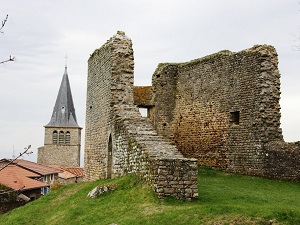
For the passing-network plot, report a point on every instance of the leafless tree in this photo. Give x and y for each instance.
(11, 58)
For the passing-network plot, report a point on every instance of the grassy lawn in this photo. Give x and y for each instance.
(223, 199)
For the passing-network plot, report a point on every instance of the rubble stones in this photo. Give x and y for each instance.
(100, 190)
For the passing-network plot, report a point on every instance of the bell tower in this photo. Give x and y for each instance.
(62, 134)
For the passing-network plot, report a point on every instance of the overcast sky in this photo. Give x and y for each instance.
(39, 33)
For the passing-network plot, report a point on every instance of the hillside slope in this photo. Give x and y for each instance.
(223, 199)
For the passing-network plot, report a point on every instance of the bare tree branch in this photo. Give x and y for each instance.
(25, 152)
(1, 27)
(10, 59)
(3, 23)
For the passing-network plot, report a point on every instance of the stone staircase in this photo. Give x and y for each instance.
(144, 133)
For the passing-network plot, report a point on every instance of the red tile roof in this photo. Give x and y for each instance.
(75, 170)
(66, 175)
(35, 167)
(17, 178)
(69, 172)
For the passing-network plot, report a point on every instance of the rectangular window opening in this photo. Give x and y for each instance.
(143, 111)
(234, 117)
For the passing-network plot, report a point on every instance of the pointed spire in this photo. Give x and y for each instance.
(64, 111)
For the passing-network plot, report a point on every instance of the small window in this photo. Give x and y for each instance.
(68, 137)
(45, 190)
(51, 177)
(234, 117)
(54, 137)
(45, 178)
(61, 137)
(143, 112)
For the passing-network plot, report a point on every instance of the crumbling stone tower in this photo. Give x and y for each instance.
(118, 140)
(62, 134)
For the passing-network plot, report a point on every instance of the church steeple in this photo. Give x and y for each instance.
(64, 111)
(62, 134)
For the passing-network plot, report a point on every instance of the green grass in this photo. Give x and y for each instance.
(223, 199)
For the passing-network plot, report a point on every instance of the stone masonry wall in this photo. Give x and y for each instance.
(61, 154)
(282, 160)
(118, 139)
(139, 150)
(143, 96)
(98, 105)
(221, 109)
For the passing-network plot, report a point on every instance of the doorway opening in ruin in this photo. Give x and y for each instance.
(109, 158)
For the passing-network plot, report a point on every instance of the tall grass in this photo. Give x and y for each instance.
(223, 199)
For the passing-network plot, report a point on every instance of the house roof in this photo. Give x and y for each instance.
(64, 111)
(17, 178)
(75, 170)
(35, 167)
(66, 175)
(69, 172)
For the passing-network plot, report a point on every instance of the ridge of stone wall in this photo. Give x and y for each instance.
(118, 139)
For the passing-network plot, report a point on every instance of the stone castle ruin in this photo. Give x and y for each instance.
(221, 110)
(224, 110)
(118, 139)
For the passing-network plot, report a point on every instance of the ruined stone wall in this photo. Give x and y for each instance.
(65, 154)
(139, 150)
(130, 156)
(118, 139)
(282, 160)
(176, 177)
(98, 105)
(143, 96)
(221, 109)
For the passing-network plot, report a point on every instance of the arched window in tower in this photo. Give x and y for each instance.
(68, 137)
(54, 137)
(61, 137)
